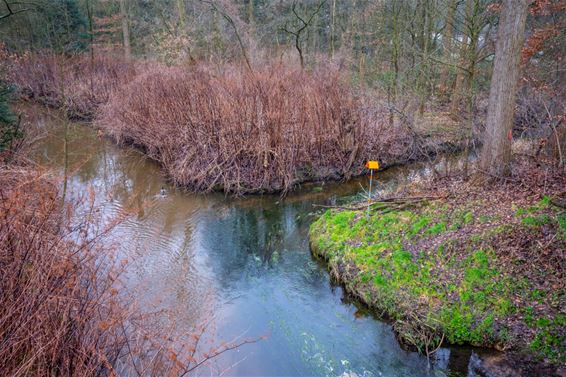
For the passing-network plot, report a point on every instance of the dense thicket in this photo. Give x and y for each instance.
(59, 313)
(244, 132)
(76, 84)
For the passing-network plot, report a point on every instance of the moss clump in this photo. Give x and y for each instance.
(437, 268)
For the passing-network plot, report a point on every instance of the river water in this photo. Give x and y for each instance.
(245, 262)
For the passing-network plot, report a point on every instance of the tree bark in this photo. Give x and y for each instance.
(332, 28)
(181, 14)
(447, 45)
(251, 16)
(125, 29)
(496, 153)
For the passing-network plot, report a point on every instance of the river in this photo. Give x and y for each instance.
(245, 261)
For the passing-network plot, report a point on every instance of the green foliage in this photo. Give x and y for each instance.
(562, 220)
(536, 221)
(419, 225)
(436, 229)
(520, 211)
(549, 337)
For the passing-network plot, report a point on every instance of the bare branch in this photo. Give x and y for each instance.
(12, 12)
(227, 17)
(297, 33)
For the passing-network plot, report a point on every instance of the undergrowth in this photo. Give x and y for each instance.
(450, 269)
(241, 132)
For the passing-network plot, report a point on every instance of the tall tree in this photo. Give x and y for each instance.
(125, 29)
(447, 44)
(496, 153)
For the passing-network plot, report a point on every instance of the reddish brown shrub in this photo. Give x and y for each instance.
(76, 84)
(63, 311)
(54, 299)
(242, 133)
(222, 129)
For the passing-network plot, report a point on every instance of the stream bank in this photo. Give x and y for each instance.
(480, 266)
(243, 261)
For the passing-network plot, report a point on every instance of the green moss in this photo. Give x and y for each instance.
(562, 220)
(419, 225)
(483, 333)
(436, 228)
(549, 338)
(458, 292)
(536, 221)
(503, 306)
(542, 204)
(468, 217)
(520, 212)
(457, 322)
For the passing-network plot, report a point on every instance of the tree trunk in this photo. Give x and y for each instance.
(425, 72)
(496, 153)
(251, 16)
(314, 45)
(332, 28)
(125, 30)
(447, 45)
(459, 85)
(395, 88)
(181, 14)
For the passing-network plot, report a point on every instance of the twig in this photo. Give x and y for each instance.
(387, 203)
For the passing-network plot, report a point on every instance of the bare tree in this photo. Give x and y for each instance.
(302, 27)
(12, 12)
(496, 153)
(230, 20)
(447, 37)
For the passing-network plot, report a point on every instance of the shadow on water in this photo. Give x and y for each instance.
(247, 258)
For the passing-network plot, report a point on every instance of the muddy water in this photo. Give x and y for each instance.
(244, 261)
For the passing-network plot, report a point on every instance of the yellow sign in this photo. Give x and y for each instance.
(372, 165)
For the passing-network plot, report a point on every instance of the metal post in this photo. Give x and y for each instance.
(369, 194)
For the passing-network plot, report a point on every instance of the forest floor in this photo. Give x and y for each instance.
(475, 263)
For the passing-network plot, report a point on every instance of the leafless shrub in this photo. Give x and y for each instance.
(540, 118)
(77, 84)
(225, 128)
(62, 306)
(243, 132)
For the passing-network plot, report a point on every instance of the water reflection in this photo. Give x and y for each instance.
(248, 259)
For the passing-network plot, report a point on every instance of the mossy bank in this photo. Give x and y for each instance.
(477, 268)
